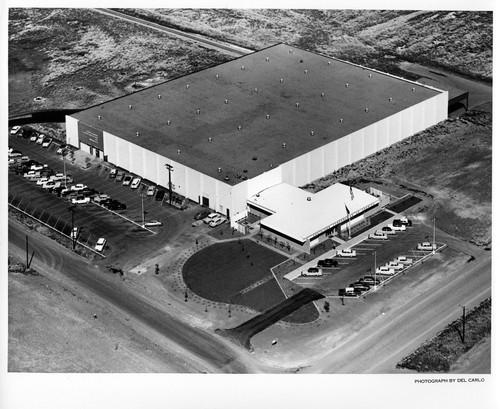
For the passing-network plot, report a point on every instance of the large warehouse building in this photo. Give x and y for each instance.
(279, 115)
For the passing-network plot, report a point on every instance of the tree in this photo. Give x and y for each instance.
(327, 306)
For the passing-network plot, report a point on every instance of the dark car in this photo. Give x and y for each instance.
(369, 280)
(119, 176)
(360, 285)
(116, 205)
(87, 192)
(160, 194)
(328, 263)
(202, 214)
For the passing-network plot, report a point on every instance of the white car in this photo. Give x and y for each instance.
(51, 184)
(126, 180)
(100, 198)
(378, 235)
(61, 149)
(78, 186)
(80, 200)
(135, 183)
(151, 191)
(426, 246)
(398, 227)
(33, 138)
(57, 176)
(217, 221)
(403, 260)
(42, 181)
(46, 143)
(37, 167)
(153, 223)
(74, 233)
(312, 272)
(210, 217)
(40, 139)
(385, 270)
(346, 253)
(100, 244)
(396, 266)
(14, 130)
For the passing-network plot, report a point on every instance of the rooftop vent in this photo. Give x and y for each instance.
(254, 158)
(297, 104)
(347, 85)
(312, 133)
(242, 67)
(159, 96)
(245, 170)
(226, 101)
(219, 170)
(413, 89)
(290, 51)
(178, 151)
(329, 63)
(210, 139)
(268, 116)
(130, 107)
(137, 134)
(305, 71)
(281, 80)
(239, 127)
(226, 178)
(270, 165)
(308, 198)
(267, 58)
(369, 75)
(390, 99)
(322, 95)
(99, 117)
(216, 76)
(168, 122)
(283, 145)
(341, 121)
(256, 90)
(187, 86)
(366, 109)
(198, 111)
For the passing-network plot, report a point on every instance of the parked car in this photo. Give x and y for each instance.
(33, 137)
(135, 183)
(58, 176)
(210, 217)
(51, 184)
(38, 166)
(41, 181)
(403, 260)
(127, 180)
(151, 190)
(388, 230)
(160, 194)
(119, 176)
(100, 198)
(346, 253)
(100, 244)
(405, 221)
(385, 270)
(15, 130)
(312, 272)
(395, 265)
(397, 226)
(217, 221)
(426, 246)
(153, 223)
(46, 143)
(202, 214)
(116, 205)
(62, 149)
(359, 285)
(40, 139)
(80, 200)
(378, 235)
(112, 173)
(75, 232)
(78, 186)
(369, 280)
(328, 263)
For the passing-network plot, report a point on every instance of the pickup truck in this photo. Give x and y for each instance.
(403, 260)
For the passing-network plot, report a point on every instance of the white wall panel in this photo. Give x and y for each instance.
(316, 168)
(71, 131)
(344, 151)
(357, 145)
(109, 141)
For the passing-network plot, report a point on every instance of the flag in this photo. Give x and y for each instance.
(352, 193)
(346, 209)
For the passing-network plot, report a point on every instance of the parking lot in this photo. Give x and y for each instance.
(370, 253)
(94, 220)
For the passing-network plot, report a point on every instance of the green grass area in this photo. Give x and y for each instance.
(439, 353)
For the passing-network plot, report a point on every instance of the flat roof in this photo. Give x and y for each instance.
(301, 218)
(200, 114)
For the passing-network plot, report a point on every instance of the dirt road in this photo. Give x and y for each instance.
(199, 349)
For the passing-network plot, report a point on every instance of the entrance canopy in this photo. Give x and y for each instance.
(303, 215)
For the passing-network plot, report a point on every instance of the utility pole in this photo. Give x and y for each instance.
(375, 271)
(27, 261)
(170, 168)
(434, 238)
(64, 167)
(463, 324)
(142, 211)
(73, 235)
